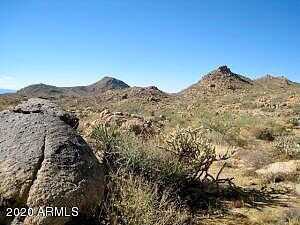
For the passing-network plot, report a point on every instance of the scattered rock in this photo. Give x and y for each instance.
(153, 99)
(151, 93)
(137, 124)
(104, 113)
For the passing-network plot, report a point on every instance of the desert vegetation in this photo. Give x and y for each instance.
(223, 151)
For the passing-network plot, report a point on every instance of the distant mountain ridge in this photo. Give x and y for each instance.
(217, 81)
(106, 83)
(222, 80)
(5, 91)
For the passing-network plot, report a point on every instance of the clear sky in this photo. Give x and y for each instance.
(167, 43)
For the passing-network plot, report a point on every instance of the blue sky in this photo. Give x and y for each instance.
(165, 43)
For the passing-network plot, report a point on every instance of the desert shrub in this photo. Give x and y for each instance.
(296, 109)
(148, 185)
(138, 182)
(120, 150)
(290, 217)
(248, 104)
(196, 153)
(267, 130)
(223, 128)
(265, 134)
(268, 109)
(108, 138)
(130, 153)
(277, 129)
(139, 202)
(288, 145)
(294, 121)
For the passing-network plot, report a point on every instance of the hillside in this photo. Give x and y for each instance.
(219, 80)
(44, 90)
(225, 79)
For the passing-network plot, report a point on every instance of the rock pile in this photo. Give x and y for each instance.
(136, 124)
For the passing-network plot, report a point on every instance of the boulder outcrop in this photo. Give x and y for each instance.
(45, 163)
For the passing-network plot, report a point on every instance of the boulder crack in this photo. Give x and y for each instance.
(26, 111)
(37, 167)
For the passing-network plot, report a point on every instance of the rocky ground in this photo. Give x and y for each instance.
(257, 121)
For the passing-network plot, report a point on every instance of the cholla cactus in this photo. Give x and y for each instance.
(195, 151)
(189, 144)
(287, 145)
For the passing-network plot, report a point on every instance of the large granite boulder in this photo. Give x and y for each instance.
(45, 163)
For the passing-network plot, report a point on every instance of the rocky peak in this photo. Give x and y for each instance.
(224, 78)
(269, 76)
(108, 79)
(224, 69)
(109, 83)
(153, 88)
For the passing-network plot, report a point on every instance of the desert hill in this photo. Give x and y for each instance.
(44, 90)
(270, 80)
(106, 83)
(217, 81)
(41, 90)
(224, 78)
